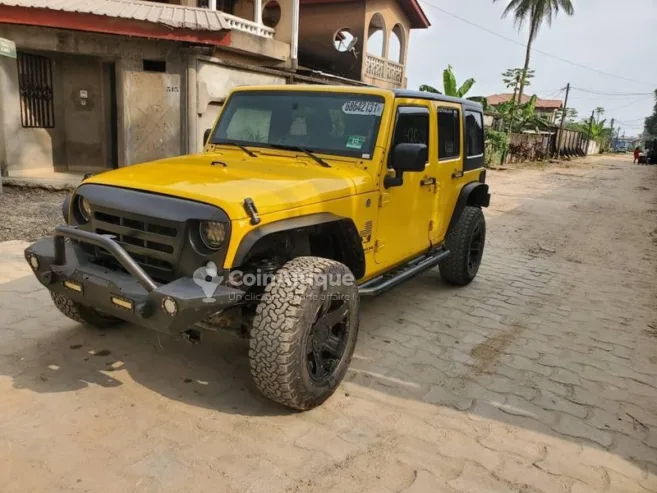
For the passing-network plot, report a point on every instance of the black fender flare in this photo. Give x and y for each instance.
(66, 205)
(474, 193)
(350, 233)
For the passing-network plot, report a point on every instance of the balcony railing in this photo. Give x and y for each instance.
(384, 69)
(247, 26)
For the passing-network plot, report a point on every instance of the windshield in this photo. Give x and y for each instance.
(329, 123)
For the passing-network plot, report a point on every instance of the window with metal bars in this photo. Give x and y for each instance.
(36, 91)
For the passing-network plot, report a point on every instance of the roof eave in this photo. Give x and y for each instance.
(108, 25)
(418, 18)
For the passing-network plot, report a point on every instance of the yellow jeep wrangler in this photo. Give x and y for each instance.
(305, 199)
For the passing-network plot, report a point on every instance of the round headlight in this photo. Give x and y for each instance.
(213, 234)
(85, 208)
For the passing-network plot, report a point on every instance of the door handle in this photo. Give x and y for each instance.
(457, 174)
(428, 182)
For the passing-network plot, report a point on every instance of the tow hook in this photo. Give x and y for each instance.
(193, 336)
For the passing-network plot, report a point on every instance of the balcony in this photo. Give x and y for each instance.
(383, 69)
(239, 24)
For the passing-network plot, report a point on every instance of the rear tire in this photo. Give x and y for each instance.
(84, 314)
(465, 242)
(304, 333)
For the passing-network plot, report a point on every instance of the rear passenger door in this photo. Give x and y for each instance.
(450, 165)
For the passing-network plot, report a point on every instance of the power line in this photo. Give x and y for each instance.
(556, 93)
(634, 120)
(623, 94)
(604, 98)
(642, 98)
(489, 31)
(630, 124)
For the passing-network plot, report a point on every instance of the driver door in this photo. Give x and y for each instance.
(406, 210)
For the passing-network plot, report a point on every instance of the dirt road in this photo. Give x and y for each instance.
(541, 376)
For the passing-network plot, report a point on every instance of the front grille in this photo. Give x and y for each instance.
(151, 243)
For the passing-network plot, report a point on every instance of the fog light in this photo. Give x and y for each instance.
(34, 262)
(122, 302)
(170, 306)
(73, 286)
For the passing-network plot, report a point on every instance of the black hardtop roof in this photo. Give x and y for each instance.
(409, 93)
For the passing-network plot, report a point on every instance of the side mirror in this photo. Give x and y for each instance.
(406, 158)
(409, 157)
(206, 135)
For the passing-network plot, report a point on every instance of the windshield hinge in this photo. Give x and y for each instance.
(252, 211)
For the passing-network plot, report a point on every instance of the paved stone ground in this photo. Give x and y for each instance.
(541, 376)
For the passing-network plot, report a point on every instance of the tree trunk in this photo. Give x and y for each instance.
(532, 33)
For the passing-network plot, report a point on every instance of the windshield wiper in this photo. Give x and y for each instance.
(224, 143)
(308, 152)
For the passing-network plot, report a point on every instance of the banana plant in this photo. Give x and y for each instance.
(450, 86)
(519, 117)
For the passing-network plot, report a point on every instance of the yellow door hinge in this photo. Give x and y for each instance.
(378, 246)
(384, 198)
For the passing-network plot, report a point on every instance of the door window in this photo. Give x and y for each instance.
(449, 133)
(411, 127)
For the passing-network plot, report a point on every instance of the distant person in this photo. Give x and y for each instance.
(637, 152)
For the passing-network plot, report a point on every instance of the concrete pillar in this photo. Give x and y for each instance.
(6, 65)
(257, 12)
(294, 42)
(191, 105)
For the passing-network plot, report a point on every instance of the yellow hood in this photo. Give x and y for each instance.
(274, 183)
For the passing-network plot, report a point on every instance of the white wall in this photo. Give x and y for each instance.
(214, 82)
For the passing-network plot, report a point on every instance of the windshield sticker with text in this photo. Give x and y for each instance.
(362, 108)
(355, 142)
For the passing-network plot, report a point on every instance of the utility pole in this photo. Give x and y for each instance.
(611, 134)
(564, 113)
(588, 137)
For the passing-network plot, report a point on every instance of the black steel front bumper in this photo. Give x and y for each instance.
(131, 296)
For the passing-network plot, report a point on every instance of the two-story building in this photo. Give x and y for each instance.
(104, 83)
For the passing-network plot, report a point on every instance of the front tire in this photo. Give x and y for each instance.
(465, 242)
(304, 332)
(84, 314)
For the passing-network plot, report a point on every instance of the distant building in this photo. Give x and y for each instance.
(548, 108)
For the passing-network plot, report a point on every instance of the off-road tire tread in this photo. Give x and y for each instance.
(277, 333)
(82, 314)
(454, 269)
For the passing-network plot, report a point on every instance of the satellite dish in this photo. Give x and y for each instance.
(343, 40)
(352, 44)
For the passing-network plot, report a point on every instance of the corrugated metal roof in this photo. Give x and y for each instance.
(496, 99)
(175, 16)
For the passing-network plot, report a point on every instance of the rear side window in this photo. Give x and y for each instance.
(474, 134)
(449, 133)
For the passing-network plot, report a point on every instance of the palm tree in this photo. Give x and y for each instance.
(534, 12)
(599, 111)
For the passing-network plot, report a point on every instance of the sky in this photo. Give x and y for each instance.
(619, 38)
